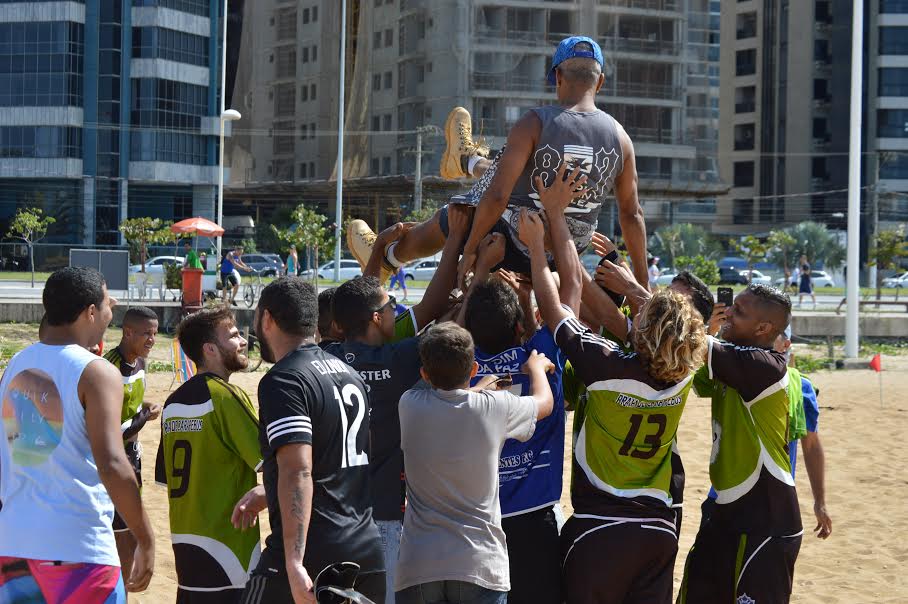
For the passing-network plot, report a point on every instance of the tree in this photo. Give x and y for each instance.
(689, 240)
(753, 251)
(308, 232)
(819, 245)
(890, 247)
(142, 231)
(782, 251)
(30, 225)
(429, 207)
(704, 268)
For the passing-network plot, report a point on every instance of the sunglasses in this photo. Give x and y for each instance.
(392, 302)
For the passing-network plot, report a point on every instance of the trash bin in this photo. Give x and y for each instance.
(192, 286)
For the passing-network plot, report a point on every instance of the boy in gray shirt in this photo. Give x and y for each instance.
(453, 548)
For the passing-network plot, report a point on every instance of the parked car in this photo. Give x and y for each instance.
(155, 266)
(423, 270)
(898, 280)
(269, 265)
(666, 278)
(349, 268)
(819, 278)
(756, 277)
(730, 276)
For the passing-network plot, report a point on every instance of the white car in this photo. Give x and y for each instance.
(155, 266)
(423, 270)
(819, 278)
(756, 277)
(348, 269)
(898, 280)
(666, 278)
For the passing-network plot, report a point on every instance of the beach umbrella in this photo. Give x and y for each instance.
(198, 226)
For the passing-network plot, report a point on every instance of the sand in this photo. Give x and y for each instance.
(865, 445)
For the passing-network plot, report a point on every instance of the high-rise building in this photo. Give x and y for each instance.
(409, 62)
(109, 110)
(785, 113)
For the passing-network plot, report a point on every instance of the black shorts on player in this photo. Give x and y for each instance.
(603, 558)
(224, 596)
(726, 567)
(134, 455)
(534, 557)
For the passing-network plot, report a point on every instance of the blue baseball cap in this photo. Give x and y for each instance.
(566, 50)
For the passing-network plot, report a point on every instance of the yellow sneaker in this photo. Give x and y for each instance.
(360, 241)
(459, 144)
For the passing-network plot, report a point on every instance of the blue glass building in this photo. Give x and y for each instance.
(108, 110)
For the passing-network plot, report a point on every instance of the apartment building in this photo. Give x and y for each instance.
(109, 110)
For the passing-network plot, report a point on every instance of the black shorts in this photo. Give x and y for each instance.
(225, 596)
(134, 455)
(514, 259)
(533, 557)
(617, 560)
(269, 586)
(229, 279)
(726, 567)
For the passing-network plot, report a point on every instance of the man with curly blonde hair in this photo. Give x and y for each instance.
(623, 432)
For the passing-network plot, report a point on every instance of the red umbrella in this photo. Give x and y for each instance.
(198, 226)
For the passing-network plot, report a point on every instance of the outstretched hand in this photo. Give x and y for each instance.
(602, 245)
(531, 229)
(491, 251)
(614, 277)
(538, 361)
(392, 234)
(559, 195)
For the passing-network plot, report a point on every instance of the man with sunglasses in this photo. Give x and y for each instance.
(384, 349)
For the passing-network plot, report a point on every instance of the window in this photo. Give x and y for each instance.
(376, 40)
(820, 128)
(892, 123)
(167, 116)
(196, 7)
(41, 64)
(314, 14)
(312, 130)
(305, 54)
(312, 95)
(303, 170)
(820, 89)
(386, 165)
(40, 142)
(284, 99)
(304, 132)
(305, 16)
(304, 93)
(376, 123)
(389, 37)
(745, 99)
(821, 11)
(821, 50)
(744, 173)
(896, 167)
(286, 24)
(894, 40)
(169, 44)
(314, 54)
(893, 81)
(420, 74)
(746, 62)
(286, 62)
(388, 80)
(375, 167)
(743, 211)
(387, 121)
(744, 137)
(746, 25)
(376, 82)
(818, 168)
(283, 138)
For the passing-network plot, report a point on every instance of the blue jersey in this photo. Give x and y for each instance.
(529, 474)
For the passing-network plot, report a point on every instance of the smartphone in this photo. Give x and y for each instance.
(618, 299)
(725, 296)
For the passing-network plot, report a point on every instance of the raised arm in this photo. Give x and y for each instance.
(532, 234)
(489, 254)
(521, 142)
(536, 367)
(294, 493)
(435, 301)
(630, 214)
(101, 393)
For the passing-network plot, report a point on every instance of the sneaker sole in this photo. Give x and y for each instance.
(352, 248)
(450, 161)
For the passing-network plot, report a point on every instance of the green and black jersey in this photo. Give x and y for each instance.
(749, 464)
(132, 419)
(623, 429)
(208, 459)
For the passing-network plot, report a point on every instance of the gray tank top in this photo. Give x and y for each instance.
(589, 140)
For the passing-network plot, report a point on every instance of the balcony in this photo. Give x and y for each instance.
(518, 37)
(821, 144)
(663, 5)
(641, 46)
(822, 68)
(745, 107)
(509, 82)
(646, 91)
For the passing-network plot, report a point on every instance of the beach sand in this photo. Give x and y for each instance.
(865, 444)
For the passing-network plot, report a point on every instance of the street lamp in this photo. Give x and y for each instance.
(231, 115)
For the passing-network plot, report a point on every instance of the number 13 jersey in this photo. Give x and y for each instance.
(311, 397)
(623, 432)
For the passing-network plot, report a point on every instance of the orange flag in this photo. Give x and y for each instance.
(876, 363)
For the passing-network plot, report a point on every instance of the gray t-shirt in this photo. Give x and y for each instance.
(451, 441)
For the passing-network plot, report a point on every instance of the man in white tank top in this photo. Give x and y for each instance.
(62, 462)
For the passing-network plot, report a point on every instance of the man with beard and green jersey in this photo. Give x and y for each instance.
(208, 459)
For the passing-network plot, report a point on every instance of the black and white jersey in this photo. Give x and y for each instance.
(311, 397)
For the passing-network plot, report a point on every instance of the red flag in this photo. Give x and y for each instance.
(876, 363)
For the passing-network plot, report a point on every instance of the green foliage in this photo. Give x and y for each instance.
(309, 231)
(782, 250)
(690, 240)
(30, 225)
(141, 231)
(890, 247)
(807, 364)
(752, 249)
(249, 245)
(429, 207)
(819, 245)
(173, 276)
(699, 265)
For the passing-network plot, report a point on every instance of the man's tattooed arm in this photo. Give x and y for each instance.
(294, 491)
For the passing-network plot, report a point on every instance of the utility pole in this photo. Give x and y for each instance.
(417, 180)
(852, 293)
(338, 204)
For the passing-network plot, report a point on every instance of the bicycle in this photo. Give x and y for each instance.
(252, 288)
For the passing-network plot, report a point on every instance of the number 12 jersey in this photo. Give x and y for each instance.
(311, 397)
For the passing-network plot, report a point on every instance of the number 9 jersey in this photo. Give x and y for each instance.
(623, 432)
